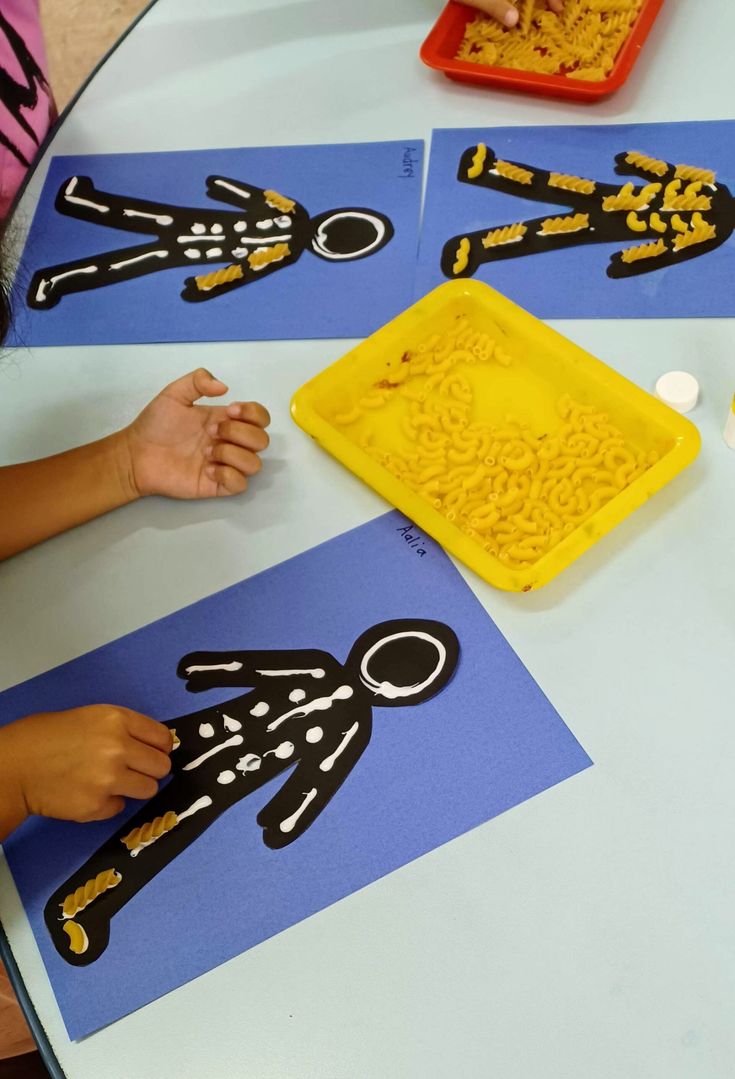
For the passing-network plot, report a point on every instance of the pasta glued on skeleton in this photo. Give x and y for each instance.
(581, 42)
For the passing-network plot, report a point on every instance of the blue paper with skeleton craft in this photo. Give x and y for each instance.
(352, 709)
(604, 221)
(221, 245)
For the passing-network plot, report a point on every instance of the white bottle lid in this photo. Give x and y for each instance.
(679, 390)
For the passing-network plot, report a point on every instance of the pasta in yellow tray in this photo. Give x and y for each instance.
(581, 42)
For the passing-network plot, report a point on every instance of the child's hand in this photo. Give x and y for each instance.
(80, 765)
(184, 450)
(506, 12)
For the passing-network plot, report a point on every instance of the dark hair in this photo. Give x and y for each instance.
(5, 312)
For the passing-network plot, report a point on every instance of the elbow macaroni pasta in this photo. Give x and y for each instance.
(582, 42)
(514, 491)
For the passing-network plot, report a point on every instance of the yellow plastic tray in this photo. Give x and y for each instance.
(546, 366)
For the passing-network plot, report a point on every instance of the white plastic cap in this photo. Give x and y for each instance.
(679, 390)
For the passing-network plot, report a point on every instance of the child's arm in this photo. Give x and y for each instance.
(175, 447)
(79, 765)
(507, 12)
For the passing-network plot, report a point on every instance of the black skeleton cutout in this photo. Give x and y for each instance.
(266, 233)
(306, 711)
(679, 212)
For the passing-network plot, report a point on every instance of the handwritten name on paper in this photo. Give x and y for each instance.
(410, 161)
(414, 540)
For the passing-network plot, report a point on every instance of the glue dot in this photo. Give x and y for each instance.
(679, 390)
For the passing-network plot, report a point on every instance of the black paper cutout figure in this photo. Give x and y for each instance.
(306, 709)
(659, 219)
(267, 233)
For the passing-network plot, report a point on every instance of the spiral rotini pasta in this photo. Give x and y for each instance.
(647, 164)
(513, 172)
(515, 492)
(258, 259)
(627, 199)
(206, 282)
(552, 226)
(689, 172)
(89, 891)
(644, 251)
(507, 235)
(146, 834)
(478, 162)
(463, 256)
(582, 42)
(572, 183)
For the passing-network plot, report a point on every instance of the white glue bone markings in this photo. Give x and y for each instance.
(282, 752)
(320, 704)
(231, 725)
(236, 740)
(233, 187)
(71, 197)
(387, 689)
(44, 284)
(233, 666)
(297, 695)
(314, 734)
(226, 777)
(319, 243)
(316, 672)
(206, 730)
(160, 219)
(289, 823)
(326, 764)
(186, 239)
(260, 709)
(139, 258)
(251, 762)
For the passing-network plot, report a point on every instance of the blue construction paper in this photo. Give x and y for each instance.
(490, 740)
(312, 298)
(573, 283)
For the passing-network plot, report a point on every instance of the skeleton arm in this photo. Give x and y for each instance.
(207, 670)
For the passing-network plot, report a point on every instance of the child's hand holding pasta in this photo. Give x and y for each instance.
(505, 11)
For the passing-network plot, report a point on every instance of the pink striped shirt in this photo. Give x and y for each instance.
(26, 105)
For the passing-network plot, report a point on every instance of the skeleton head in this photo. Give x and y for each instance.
(348, 234)
(404, 661)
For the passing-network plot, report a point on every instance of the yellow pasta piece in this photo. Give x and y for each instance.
(700, 234)
(517, 173)
(656, 223)
(344, 419)
(146, 834)
(507, 235)
(279, 202)
(634, 223)
(644, 251)
(627, 199)
(206, 282)
(679, 224)
(647, 164)
(462, 257)
(89, 891)
(478, 162)
(552, 226)
(572, 183)
(78, 939)
(175, 740)
(689, 172)
(525, 15)
(259, 259)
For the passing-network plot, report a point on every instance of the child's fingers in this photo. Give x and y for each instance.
(250, 411)
(556, 5)
(199, 383)
(110, 807)
(501, 10)
(229, 481)
(241, 434)
(149, 731)
(135, 785)
(245, 461)
(148, 761)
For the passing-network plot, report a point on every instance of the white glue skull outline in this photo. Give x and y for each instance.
(306, 712)
(268, 232)
(679, 212)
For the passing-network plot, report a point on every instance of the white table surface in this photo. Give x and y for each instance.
(586, 934)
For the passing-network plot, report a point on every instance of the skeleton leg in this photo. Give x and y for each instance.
(464, 254)
(79, 198)
(49, 285)
(480, 167)
(314, 783)
(657, 255)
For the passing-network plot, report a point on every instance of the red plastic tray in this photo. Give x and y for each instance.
(440, 48)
